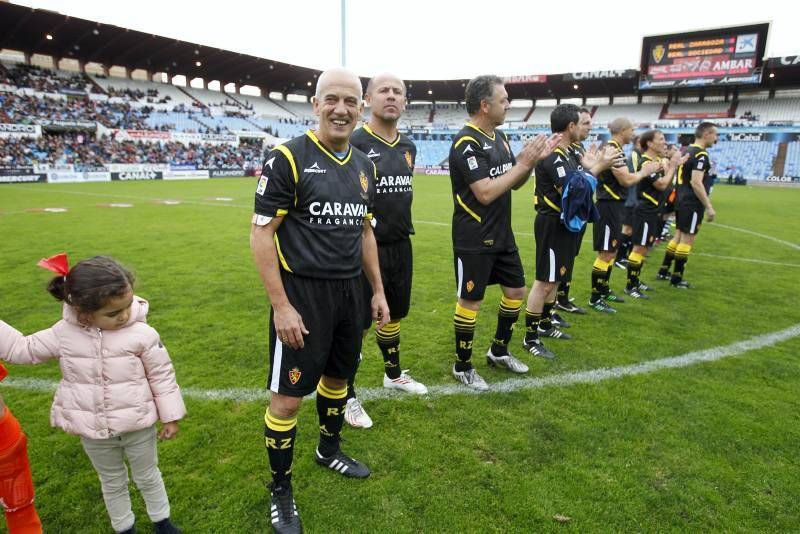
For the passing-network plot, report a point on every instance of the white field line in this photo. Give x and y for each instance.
(795, 246)
(747, 260)
(591, 376)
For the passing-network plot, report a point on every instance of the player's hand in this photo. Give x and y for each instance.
(650, 167)
(550, 144)
(168, 430)
(380, 311)
(529, 155)
(590, 157)
(678, 159)
(710, 214)
(289, 326)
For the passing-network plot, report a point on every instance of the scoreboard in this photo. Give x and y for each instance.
(726, 56)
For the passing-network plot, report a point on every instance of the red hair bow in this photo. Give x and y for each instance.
(58, 264)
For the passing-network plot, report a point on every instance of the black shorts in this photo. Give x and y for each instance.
(668, 200)
(688, 218)
(627, 215)
(331, 311)
(397, 266)
(476, 271)
(647, 226)
(555, 249)
(608, 230)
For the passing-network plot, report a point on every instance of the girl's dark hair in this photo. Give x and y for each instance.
(91, 282)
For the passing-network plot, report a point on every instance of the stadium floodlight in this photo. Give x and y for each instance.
(430, 91)
(48, 37)
(575, 86)
(198, 63)
(771, 74)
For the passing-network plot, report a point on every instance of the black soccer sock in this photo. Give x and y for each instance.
(562, 295)
(464, 322)
(681, 257)
(624, 247)
(279, 434)
(669, 255)
(635, 261)
(598, 275)
(330, 410)
(351, 382)
(388, 339)
(532, 321)
(507, 317)
(607, 278)
(547, 315)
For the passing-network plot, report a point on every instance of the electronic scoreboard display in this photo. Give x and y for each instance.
(726, 56)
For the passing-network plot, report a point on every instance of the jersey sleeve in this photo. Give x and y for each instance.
(471, 160)
(700, 162)
(556, 169)
(277, 186)
(371, 191)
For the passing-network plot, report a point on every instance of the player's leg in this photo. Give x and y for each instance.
(472, 276)
(689, 223)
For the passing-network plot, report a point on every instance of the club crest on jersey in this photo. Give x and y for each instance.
(470, 286)
(563, 270)
(364, 182)
(658, 53)
(294, 375)
(409, 160)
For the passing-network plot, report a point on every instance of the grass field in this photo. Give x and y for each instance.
(709, 447)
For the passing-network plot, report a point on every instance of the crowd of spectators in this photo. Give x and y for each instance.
(46, 80)
(84, 149)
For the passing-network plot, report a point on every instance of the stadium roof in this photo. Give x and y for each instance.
(26, 29)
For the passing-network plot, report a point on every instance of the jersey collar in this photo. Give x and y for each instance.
(481, 131)
(381, 139)
(313, 137)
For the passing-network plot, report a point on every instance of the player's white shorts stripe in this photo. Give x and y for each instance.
(644, 234)
(275, 379)
(460, 277)
(606, 237)
(552, 276)
(693, 227)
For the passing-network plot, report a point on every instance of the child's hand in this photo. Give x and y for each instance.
(168, 430)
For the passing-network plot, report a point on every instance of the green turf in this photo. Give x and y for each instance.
(711, 447)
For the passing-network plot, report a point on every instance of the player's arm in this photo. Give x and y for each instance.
(369, 252)
(487, 190)
(275, 194)
(700, 193)
(627, 178)
(596, 160)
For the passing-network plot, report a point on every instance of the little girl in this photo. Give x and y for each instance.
(117, 380)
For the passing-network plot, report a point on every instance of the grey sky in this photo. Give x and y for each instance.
(428, 39)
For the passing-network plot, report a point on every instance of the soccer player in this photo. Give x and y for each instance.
(483, 171)
(563, 300)
(694, 186)
(310, 238)
(393, 154)
(555, 245)
(612, 190)
(627, 214)
(647, 221)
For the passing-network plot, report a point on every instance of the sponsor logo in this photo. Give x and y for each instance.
(486, 146)
(470, 286)
(294, 375)
(472, 163)
(658, 53)
(270, 161)
(409, 160)
(315, 169)
(746, 43)
(137, 175)
(373, 154)
(501, 169)
(468, 149)
(262, 185)
(561, 172)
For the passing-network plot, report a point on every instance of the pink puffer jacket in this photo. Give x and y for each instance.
(113, 381)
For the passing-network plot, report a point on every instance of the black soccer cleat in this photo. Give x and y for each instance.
(569, 307)
(644, 287)
(681, 284)
(613, 297)
(663, 275)
(553, 332)
(343, 464)
(559, 321)
(283, 510)
(601, 306)
(636, 294)
(537, 348)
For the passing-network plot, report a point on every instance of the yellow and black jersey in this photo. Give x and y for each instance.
(608, 187)
(578, 150)
(550, 175)
(698, 161)
(395, 163)
(636, 155)
(324, 199)
(476, 155)
(648, 198)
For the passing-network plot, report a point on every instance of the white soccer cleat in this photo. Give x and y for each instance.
(471, 379)
(405, 383)
(355, 415)
(507, 361)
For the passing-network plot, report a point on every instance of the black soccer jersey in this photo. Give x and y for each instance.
(395, 163)
(551, 174)
(578, 150)
(324, 200)
(608, 187)
(698, 161)
(648, 198)
(476, 155)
